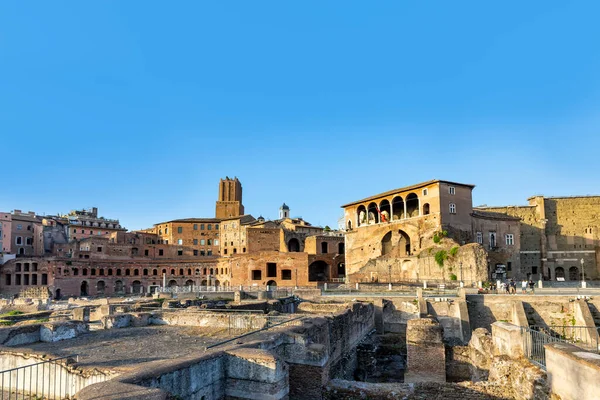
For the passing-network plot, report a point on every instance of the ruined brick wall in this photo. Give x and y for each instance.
(425, 352)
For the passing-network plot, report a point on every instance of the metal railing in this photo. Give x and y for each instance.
(43, 380)
(536, 337)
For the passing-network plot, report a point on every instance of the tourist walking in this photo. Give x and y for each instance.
(531, 286)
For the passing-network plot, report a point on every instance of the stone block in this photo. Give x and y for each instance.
(19, 335)
(116, 321)
(81, 314)
(507, 339)
(255, 365)
(57, 331)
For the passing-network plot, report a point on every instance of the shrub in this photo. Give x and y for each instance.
(4, 322)
(444, 233)
(453, 277)
(440, 257)
(436, 238)
(453, 251)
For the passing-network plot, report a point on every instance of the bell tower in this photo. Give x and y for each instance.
(229, 201)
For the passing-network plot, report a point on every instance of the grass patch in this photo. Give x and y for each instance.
(4, 322)
(12, 313)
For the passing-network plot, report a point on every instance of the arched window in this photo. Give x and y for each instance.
(155, 272)
(197, 271)
(118, 272)
(212, 271)
(361, 215)
(349, 225)
(189, 271)
(180, 271)
(172, 272)
(110, 272)
(324, 247)
(412, 205)
(398, 208)
(93, 271)
(426, 209)
(164, 271)
(373, 214)
(385, 211)
(145, 271)
(204, 271)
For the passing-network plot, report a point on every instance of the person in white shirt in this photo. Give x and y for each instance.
(524, 286)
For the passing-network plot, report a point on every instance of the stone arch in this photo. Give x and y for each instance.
(341, 270)
(57, 294)
(271, 284)
(172, 283)
(398, 208)
(349, 225)
(559, 272)
(385, 210)
(119, 288)
(361, 219)
(84, 288)
(373, 214)
(318, 271)
(574, 274)
(100, 286)
(189, 283)
(412, 205)
(294, 245)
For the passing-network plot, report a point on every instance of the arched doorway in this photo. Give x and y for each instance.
(574, 274)
(217, 282)
(84, 289)
(386, 244)
(271, 285)
(136, 287)
(100, 286)
(189, 283)
(559, 272)
(57, 295)
(119, 287)
(172, 283)
(341, 270)
(294, 245)
(318, 271)
(404, 242)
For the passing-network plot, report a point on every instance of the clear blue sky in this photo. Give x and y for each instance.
(139, 107)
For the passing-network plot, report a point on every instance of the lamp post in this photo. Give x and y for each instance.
(390, 276)
(583, 284)
(461, 277)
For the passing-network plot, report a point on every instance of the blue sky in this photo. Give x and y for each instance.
(139, 107)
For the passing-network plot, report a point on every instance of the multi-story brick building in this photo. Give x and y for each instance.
(27, 237)
(195, 237)
(559, 238)
(86, 223)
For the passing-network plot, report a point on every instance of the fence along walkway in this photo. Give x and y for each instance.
(48, 379)
(536, 337)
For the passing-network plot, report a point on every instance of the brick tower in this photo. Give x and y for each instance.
(229, 203)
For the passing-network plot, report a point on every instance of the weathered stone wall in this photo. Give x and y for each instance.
(426, 357)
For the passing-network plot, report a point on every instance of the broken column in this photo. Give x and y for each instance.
(426, 357)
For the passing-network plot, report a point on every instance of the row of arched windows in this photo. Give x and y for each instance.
(144, 272)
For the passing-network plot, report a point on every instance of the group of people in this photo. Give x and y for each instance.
(510, 287)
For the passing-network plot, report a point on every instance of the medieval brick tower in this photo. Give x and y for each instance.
(229, 203)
